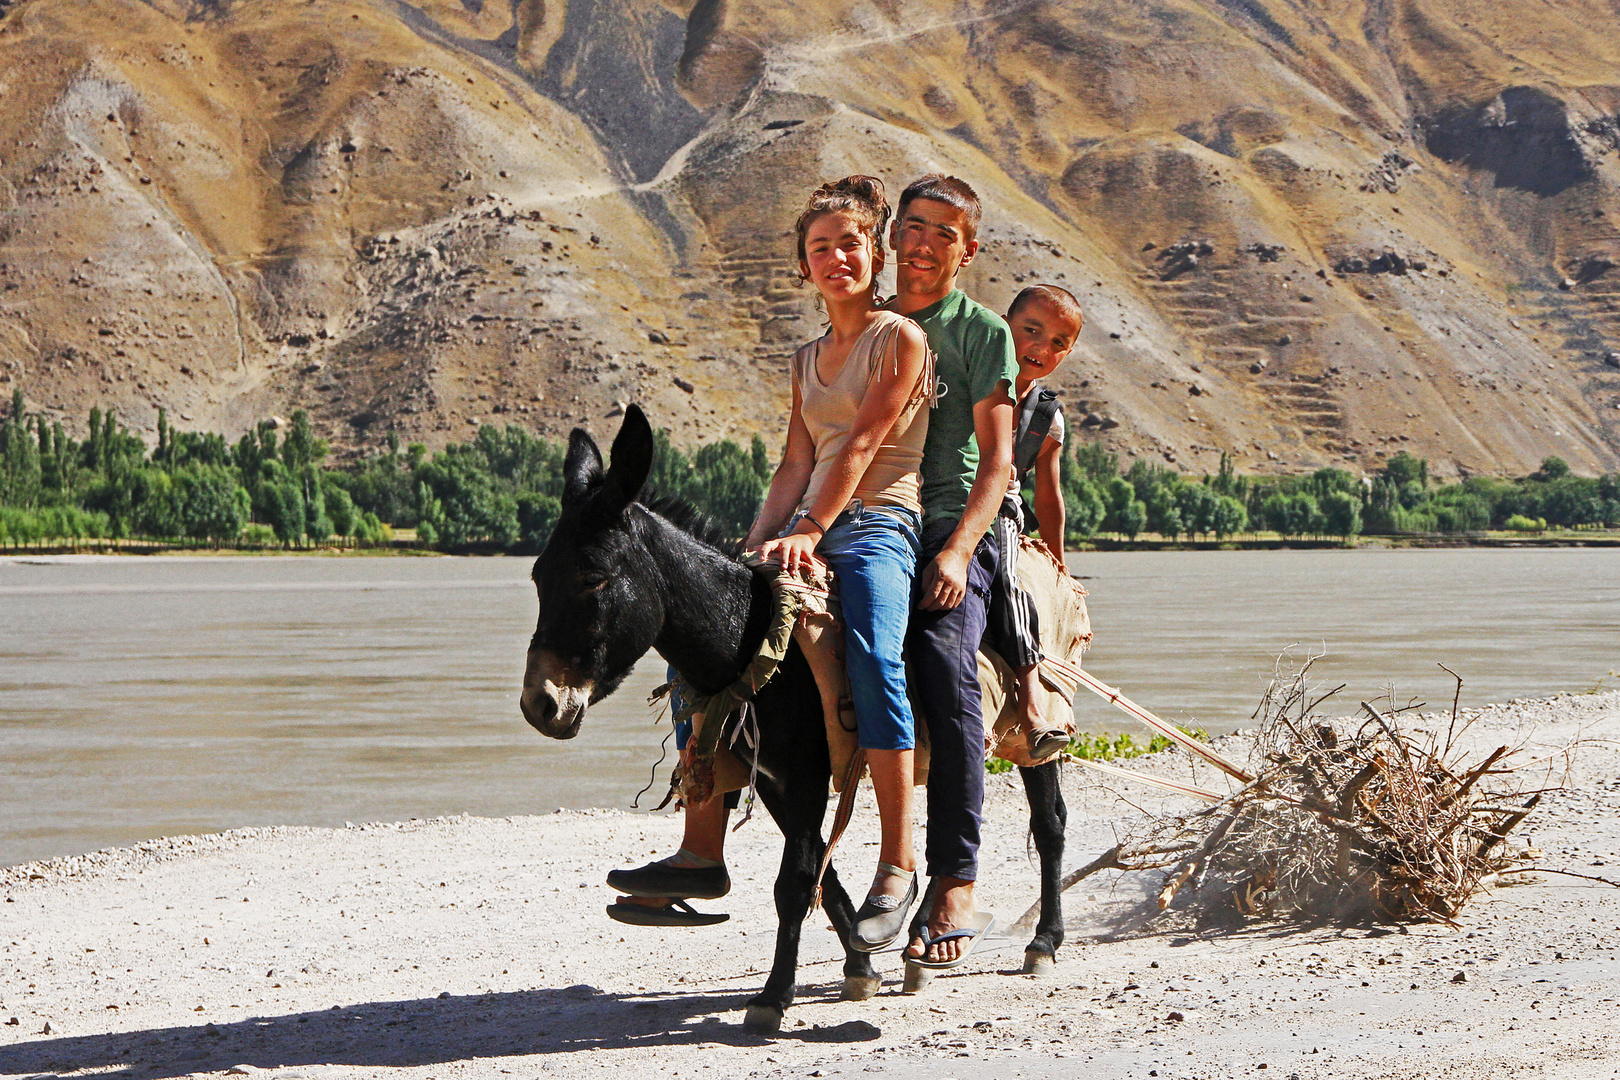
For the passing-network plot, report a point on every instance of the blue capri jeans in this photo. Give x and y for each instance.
(873, 550)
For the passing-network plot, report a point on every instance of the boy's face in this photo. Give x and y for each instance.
(1043, 334)
(931, 243)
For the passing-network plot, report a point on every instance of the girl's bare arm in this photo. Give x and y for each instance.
(886, 396)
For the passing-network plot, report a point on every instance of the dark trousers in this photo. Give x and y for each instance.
(944, 648)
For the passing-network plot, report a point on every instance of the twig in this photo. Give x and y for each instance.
(1327, 695)
(1190, 867)
(1562, 873)
(1499, 831)
(1347, 800)
(1478, 771)
(1400, 743)
(1455, 699)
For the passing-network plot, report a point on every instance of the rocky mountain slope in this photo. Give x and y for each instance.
(1305, 232)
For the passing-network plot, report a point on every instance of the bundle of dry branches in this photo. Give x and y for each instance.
(1353, 818)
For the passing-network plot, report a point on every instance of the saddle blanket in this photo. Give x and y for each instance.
(1065, 630)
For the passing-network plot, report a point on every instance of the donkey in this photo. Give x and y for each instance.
(623, 573)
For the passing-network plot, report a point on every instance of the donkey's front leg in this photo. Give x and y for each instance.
(1048, 818)
(861, 980)
(798, 811)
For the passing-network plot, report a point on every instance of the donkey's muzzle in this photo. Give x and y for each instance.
(550, 705)
(540, 710)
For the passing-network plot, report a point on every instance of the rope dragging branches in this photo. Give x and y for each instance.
(1352, 818)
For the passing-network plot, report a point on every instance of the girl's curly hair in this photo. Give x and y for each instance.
(861, 197)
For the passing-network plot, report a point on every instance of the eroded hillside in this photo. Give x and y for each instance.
(1306, 233)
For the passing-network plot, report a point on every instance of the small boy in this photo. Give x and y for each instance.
(1045, 321)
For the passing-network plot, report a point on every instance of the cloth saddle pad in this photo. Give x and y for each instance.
(820, 636)
(1065, 628)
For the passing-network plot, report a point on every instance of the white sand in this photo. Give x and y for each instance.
(475, 947)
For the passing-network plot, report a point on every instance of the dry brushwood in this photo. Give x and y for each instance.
(1354, 818)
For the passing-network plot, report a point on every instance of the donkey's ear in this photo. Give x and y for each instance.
(630, 460)
(582, 468)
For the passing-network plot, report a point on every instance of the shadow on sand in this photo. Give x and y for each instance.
(423, 1031)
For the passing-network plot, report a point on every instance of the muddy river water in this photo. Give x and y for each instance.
(143, 697)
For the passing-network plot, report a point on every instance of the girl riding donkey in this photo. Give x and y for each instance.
(846, 492)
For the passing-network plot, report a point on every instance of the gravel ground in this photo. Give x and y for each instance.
(470, 947)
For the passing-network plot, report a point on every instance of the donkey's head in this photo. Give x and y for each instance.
(600, 603)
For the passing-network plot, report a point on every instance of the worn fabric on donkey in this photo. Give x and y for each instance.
(1059, 603)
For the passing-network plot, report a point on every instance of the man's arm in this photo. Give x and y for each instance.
(944, 580)
(1049, 494)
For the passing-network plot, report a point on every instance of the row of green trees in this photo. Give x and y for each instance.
(1329, 503)
(504, 488)
(191, 485)
(501, 490)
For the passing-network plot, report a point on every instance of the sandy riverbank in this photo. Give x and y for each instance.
(472, 947)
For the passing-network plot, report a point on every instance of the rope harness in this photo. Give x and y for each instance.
(710, 714)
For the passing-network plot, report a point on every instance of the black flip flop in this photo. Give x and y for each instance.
(675, 913)
(973, 933)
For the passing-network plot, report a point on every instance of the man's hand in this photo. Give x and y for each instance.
(944, 581)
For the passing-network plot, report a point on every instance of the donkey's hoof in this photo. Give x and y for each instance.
(860, 987)
(1038, 963)
(917, 978)
(763, 1019)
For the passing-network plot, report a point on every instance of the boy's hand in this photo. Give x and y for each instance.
(944, 581)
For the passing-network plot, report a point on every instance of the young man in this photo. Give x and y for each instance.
(1045, 322)
(966, 460)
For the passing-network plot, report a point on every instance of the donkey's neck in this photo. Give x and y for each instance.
(715, 609)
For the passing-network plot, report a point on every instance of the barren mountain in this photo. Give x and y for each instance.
(1304, 232)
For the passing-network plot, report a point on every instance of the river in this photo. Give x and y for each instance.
(143, 697)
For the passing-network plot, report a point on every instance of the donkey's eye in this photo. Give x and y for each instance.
(592, 582)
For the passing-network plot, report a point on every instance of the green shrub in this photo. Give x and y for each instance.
(1456, 511)
(1098, 746)
(1230, 517)
(1341, 514)
(258, 535)
(369, 530)
(1091, 746)
(1520, 523)
(1083, 507)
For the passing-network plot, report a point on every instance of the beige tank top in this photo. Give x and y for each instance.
(829, 410)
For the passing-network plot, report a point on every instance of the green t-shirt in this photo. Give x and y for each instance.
(973, 350)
